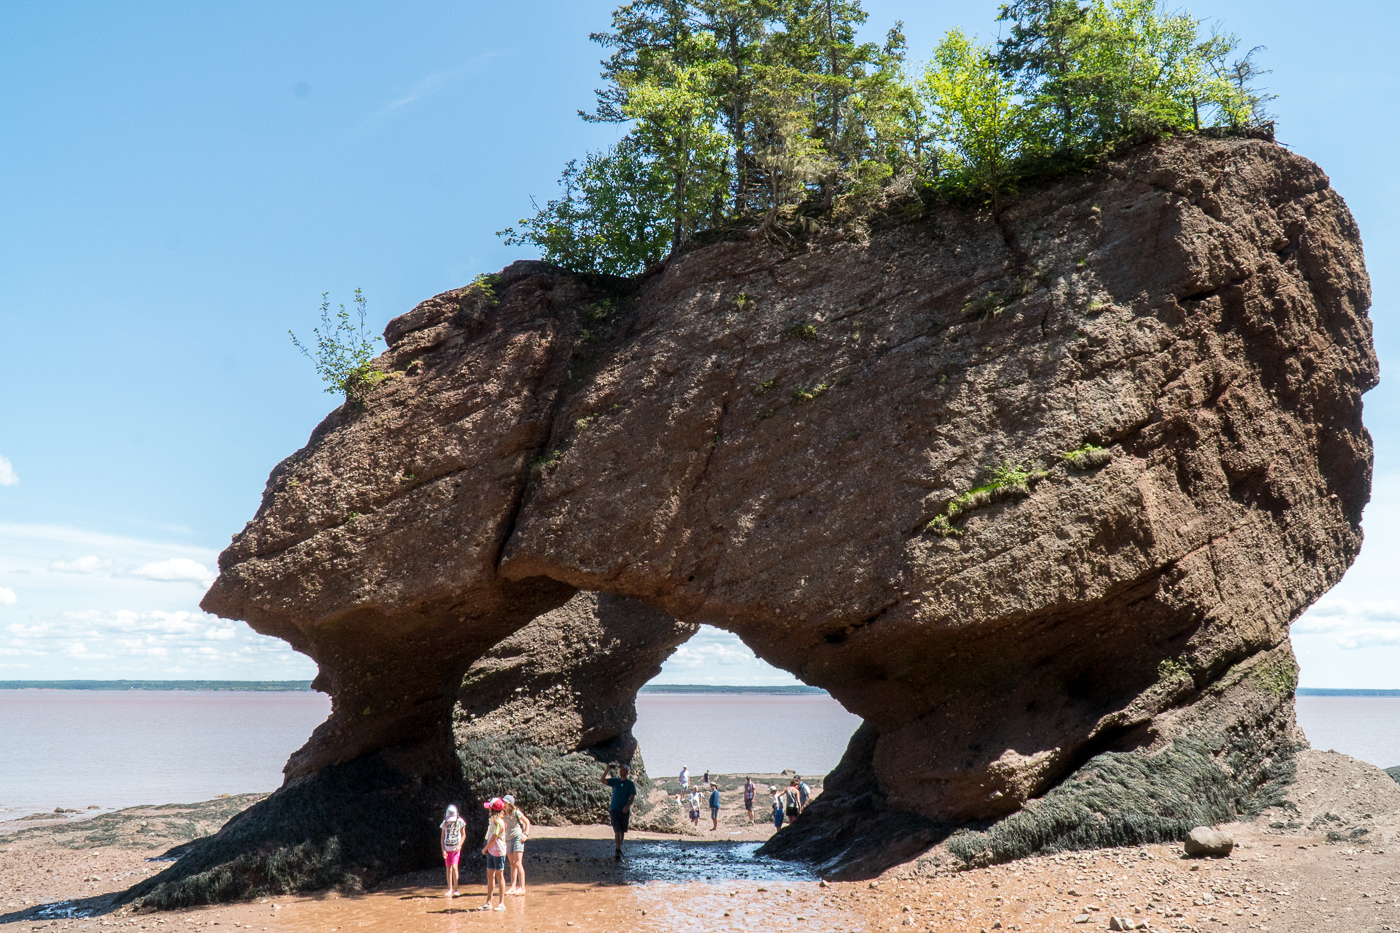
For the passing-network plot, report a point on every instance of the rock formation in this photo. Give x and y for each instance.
(1036, 496)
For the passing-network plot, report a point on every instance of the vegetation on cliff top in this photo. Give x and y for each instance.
(748, 110)
(344, 351)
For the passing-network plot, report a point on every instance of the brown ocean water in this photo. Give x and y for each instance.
(111, 749)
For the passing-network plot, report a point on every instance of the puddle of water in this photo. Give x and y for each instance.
(729, 907)
(63, 910)
(676, 862)
(576, 886)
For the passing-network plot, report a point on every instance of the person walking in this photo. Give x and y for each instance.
(517, 831)
(804, 794)
(624, 791)
(453, 834)
(685, 779)
(714, 805)
(495, 852)
(749, 792)
(707, 777)
(695, 807)
(777, 806)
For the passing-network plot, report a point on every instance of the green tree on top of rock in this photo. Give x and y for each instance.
(743, 112)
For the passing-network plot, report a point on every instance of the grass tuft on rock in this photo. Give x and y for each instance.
(1087, 457)
(1008, 481)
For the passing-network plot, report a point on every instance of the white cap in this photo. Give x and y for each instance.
(508, 798)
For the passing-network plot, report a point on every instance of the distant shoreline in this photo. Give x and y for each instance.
(234, 686)
(797, 689)
(302, 686)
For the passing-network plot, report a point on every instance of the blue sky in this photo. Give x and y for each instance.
(181, 182)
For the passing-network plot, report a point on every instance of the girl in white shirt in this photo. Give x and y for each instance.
(453, 830)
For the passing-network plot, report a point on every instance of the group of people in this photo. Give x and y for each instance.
(788, 803)
(507, 828)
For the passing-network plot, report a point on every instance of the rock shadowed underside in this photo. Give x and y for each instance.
(788, 441)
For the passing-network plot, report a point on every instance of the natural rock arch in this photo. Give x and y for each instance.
(790, 443)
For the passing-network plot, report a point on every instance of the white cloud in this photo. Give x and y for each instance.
(1351, 624)
(91, 563)
(7, 596)
(82, 618)
(8, 476)
(145, 645)
(714, 656)
(176, 569)
(422, 89)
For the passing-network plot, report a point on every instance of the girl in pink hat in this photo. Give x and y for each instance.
(495, 852)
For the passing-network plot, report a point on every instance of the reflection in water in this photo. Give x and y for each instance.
(695, 861)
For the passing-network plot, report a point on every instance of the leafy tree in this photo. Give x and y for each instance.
(980, 127)
(344, 351)
(611, 217)
(1113, 69)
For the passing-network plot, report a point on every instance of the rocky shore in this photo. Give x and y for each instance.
(1300, 869)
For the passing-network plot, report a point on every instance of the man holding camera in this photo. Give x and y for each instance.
(624, 791)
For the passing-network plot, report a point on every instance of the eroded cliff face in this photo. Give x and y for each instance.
(760, 436)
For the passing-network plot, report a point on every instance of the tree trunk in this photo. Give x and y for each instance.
(678, 220)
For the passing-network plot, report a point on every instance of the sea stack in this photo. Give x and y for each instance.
(1036, 495)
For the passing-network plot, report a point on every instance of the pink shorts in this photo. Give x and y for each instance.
(452, 858)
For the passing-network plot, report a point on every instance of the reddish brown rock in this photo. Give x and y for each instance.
(764, 437)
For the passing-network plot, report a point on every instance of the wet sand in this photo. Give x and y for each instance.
(1298, 885)
(1284, 877)
(663, 883)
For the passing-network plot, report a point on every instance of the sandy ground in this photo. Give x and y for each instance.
(1283, 877)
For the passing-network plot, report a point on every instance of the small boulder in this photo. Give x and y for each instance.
(1205, 841)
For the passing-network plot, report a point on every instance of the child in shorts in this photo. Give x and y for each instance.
(453, 829)
(495, 852)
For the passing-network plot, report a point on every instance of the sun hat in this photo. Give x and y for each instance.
(495, 803)
(509, 798)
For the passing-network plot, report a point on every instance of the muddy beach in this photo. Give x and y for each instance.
(1299, 869)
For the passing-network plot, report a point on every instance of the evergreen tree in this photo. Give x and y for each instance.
(675, 118)
(751, 108)
(1042, 54)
